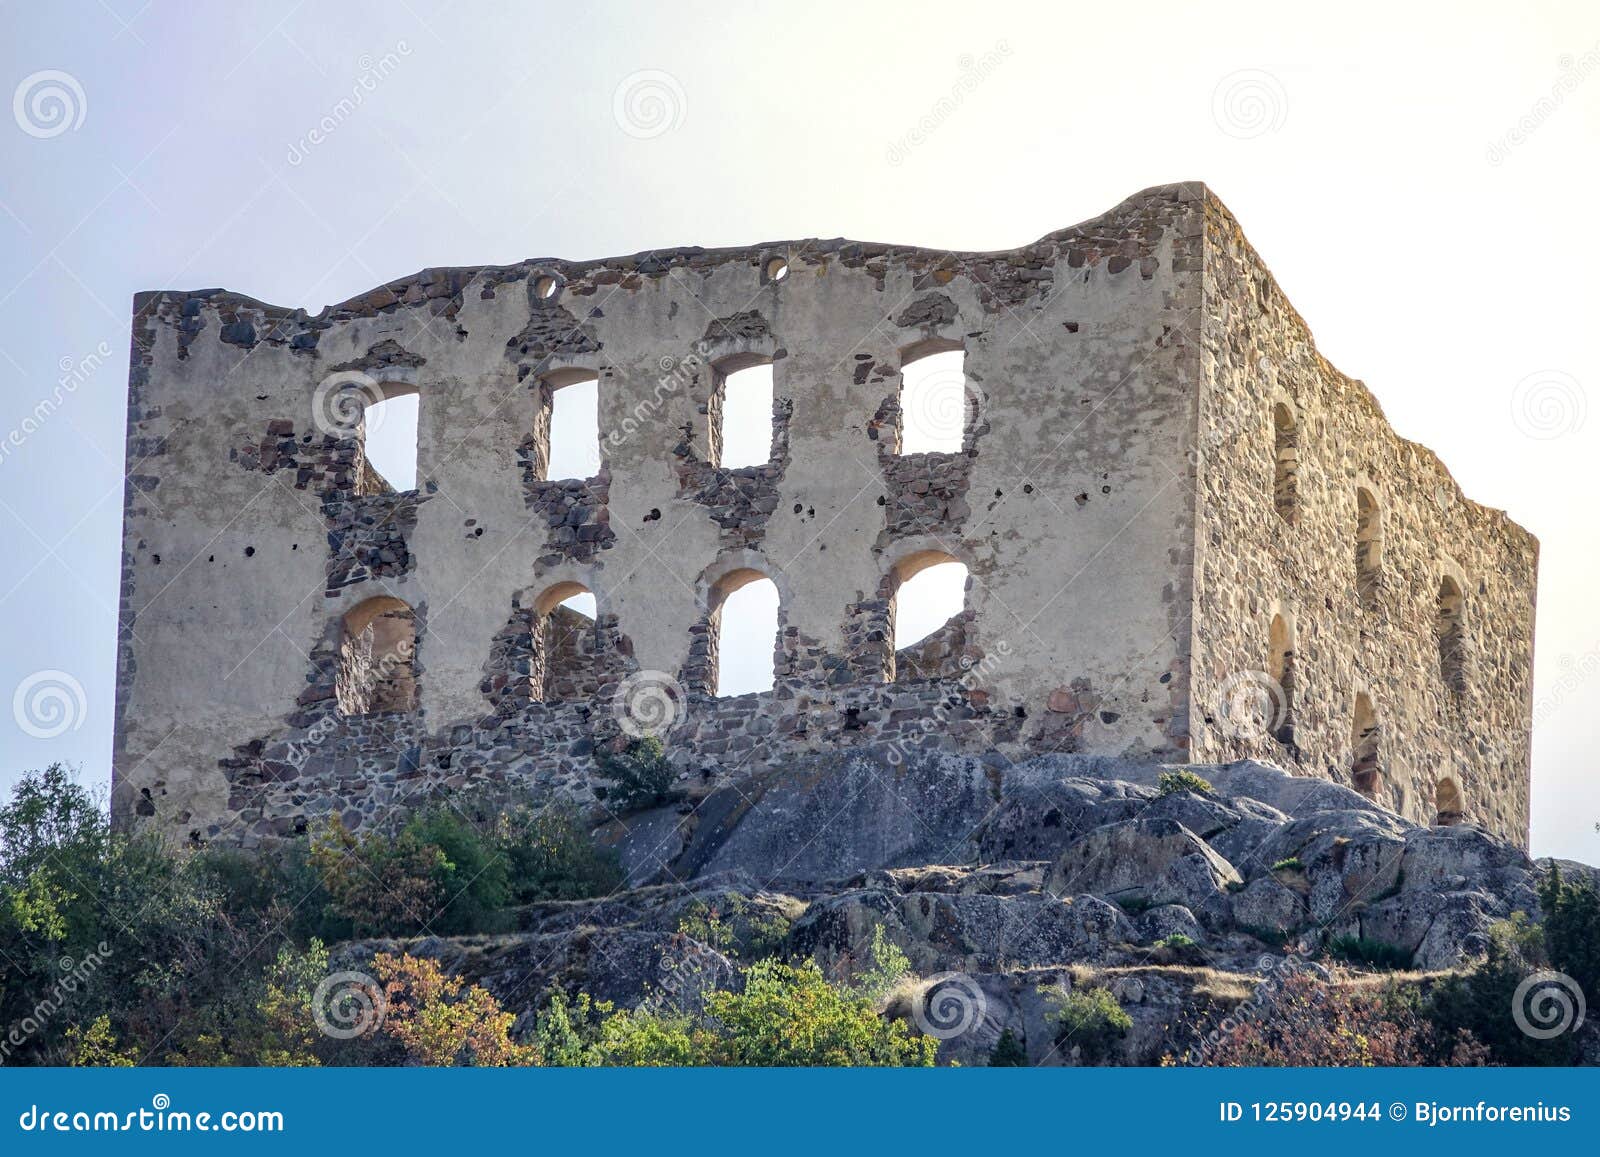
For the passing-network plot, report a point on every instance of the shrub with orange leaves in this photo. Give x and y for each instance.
(441, 1020)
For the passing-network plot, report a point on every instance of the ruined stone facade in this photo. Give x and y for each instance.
(1188, 537)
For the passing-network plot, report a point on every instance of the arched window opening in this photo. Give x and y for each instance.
(1452, 638)
(1366, 773)
(572, 420)
(1286, 464)
(935, 404)
(1369, 548)
(930, 591)
(377, 659)
(388, 441)
(1447, 805)
(562, 667)
(744, 620)
(741, 415)
(1280, 666)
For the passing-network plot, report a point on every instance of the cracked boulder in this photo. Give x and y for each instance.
(1148, 861)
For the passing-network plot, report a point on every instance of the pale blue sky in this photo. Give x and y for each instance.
(1405, 170)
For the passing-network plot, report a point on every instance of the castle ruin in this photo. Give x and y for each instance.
(1189, 538)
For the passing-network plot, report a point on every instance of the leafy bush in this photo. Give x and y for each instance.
(455, 870)
(1088, 1019)
(790, 1015)
(642, 775)
(1176, 940)
(736, 927)
(551, 856)
(378, 884)
(1169, 782)
(440, 1020)
(1364, 950)
(1290, 864)
(783, 1015)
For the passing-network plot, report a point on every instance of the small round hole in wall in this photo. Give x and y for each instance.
(777, 269)
(545, 288)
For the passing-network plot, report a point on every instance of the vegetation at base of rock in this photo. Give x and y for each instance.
(1176, 940)
(1299, 1019)
(450, 872)
(1169, 782)
(1089, 1020)
(1008, 1052)
(210, 956)
(1572, 929)
(1480, 1002)
(782, 1015)
(1365, 950)
(640, 773)
(439, 1020)
(1291, 864)
(735, 927)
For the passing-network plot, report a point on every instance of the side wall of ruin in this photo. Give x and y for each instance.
(1360, 602)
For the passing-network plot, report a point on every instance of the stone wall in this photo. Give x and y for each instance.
(1358, 591)
(250, 534)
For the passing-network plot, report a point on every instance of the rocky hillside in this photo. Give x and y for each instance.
(1002, 882)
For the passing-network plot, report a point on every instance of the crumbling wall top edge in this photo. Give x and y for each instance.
(661, 262)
